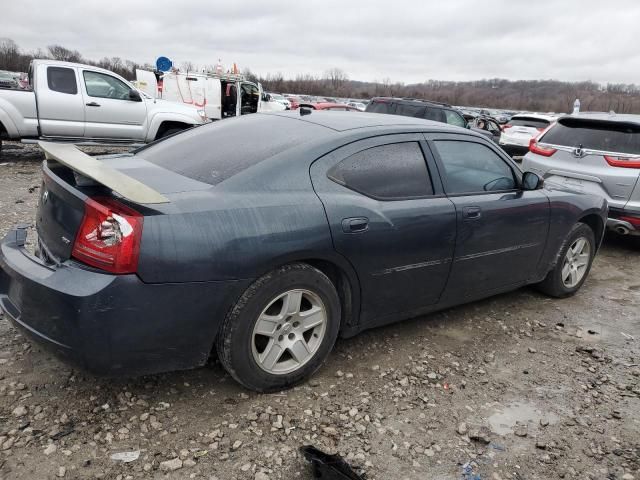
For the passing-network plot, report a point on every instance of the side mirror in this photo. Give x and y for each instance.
(532, 181)
(134, 96)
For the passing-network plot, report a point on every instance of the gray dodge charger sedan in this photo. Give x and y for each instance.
(265, 237)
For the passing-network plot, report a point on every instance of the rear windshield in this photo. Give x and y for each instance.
(601, 135)
(215, 152)
(529, 122)
(410, 110)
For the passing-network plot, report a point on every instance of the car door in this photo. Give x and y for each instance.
(109, 111)
(502, 229)
(60, 102)
(388, 217)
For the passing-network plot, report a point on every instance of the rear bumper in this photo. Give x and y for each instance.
(111, 324)
(621, 225)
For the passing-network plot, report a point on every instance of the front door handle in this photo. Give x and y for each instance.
(471, 213)
(92, 104)
(355, 225)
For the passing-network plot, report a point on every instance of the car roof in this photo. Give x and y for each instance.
(411, 101)
(341, 121)
(610, 117)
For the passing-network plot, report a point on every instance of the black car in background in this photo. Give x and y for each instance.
(412, 107)
(322, 225)
(428, 110)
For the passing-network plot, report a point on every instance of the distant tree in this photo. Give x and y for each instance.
(9, 54)
(58, 52)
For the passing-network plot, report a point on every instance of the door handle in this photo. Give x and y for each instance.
(355, 225)
(92, 104)
(471, 213)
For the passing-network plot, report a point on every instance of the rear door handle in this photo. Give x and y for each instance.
(355, 225)
(471, 213)
(92, 104)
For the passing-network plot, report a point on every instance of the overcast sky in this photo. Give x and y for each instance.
(403, 40)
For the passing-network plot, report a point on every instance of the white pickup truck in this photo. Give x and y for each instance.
(85, 105)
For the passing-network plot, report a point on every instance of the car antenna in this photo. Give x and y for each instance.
(305, 111)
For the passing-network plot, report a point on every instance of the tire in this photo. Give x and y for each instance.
(554, 285)
(276, 360)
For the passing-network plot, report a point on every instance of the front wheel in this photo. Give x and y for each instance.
(282, 328)
(573, 265)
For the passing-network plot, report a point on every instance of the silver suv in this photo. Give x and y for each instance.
(594, 153)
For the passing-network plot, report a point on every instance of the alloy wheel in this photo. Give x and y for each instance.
(289, 331)
(576, 262)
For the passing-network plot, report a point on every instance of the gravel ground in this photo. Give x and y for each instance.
(519, 386)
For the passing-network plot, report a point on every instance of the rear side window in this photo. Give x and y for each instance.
(435, 114)
(62, 80)
(380, 107)
(388, 172)
(409, 110)
(595, 135)
(454, 118)
(217, 151)
(472, 167)
(529, 122)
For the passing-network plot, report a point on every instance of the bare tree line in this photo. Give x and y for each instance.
(532, 95)
(14, 59)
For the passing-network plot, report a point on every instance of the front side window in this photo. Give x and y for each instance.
(102, 85)
(472, 167)
(62, 80)
(388, 172)
(454, 118)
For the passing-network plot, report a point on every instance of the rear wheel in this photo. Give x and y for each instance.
(574, 263)
(282, 328)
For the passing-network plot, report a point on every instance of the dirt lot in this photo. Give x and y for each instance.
(516, 387)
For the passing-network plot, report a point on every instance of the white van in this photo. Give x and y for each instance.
(219, 95)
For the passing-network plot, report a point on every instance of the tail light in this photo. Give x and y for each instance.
(541, 129)
(504, 127)
(624, 162)
(109, 236)
(535, 147)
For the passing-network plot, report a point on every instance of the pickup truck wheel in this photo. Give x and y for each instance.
(573, 265)
(281, 329)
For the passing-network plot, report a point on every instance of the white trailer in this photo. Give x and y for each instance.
(219, 95)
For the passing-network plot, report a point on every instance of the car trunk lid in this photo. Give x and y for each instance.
(71, 178)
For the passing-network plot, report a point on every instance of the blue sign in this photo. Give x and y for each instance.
(163, 64)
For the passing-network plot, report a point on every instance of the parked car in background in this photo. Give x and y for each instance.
(329, 106)
(8, 80)
(518, 131)
(276, 97)
(359, 105)
(410, 107)
(200, 240)
(596, 153)
(83, 103)
(487, 126)
(294, 101)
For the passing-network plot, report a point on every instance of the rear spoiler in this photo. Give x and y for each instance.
(128, 187)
